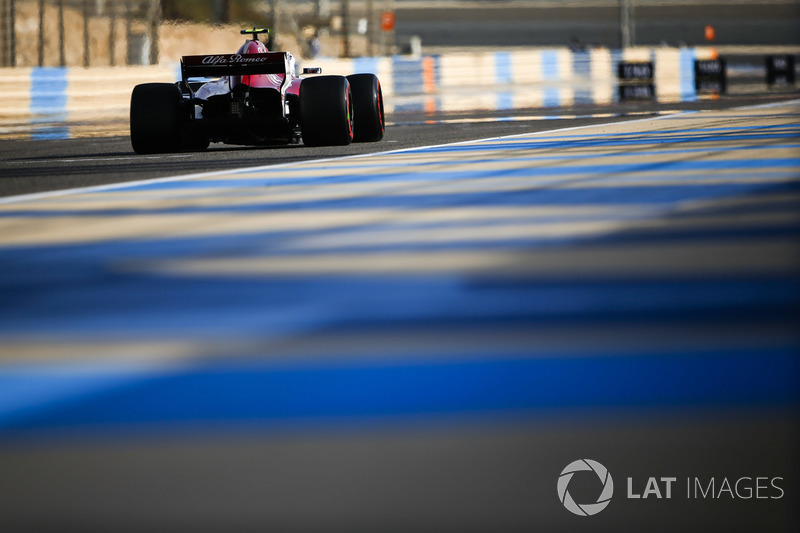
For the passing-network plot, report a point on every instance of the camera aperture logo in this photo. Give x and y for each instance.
(585, 509)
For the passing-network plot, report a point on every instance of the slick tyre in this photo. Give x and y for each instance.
(369, 124)
(156, 118)
(326, 111)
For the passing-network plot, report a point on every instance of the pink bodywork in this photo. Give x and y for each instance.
(272, 81)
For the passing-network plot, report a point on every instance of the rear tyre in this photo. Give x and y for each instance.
(369, 124)
(326, 111)
(156, 118)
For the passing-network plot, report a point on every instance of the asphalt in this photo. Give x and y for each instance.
(30, 166)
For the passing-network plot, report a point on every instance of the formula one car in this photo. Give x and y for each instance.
(253, 97)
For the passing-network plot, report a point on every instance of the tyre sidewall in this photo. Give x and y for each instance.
(326, 111)
(369, 120)
(156, 118)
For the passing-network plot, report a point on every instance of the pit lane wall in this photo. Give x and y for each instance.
(493, 80)
(518, 79)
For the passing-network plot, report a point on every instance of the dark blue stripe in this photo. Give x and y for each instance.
(552, 98)
(502, 61)
(48, 104)
(782, 127)
(500, 160)
(437, 71)
(271, 394)
(505, 101)
(540, 195)
(583, 96)
(410, 107)
(687, 87)
(51, 133)
(407, 75)
(48, 91)
(582, 64)
(549, 65)
(589, 142)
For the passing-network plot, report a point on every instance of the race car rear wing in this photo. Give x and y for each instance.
(235, 65)
(239, 65)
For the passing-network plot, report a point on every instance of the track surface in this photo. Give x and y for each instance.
(419, 340)
(29, 166)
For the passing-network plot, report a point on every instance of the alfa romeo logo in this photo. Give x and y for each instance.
(585, 509)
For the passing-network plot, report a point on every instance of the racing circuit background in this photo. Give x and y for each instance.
(417, 334)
